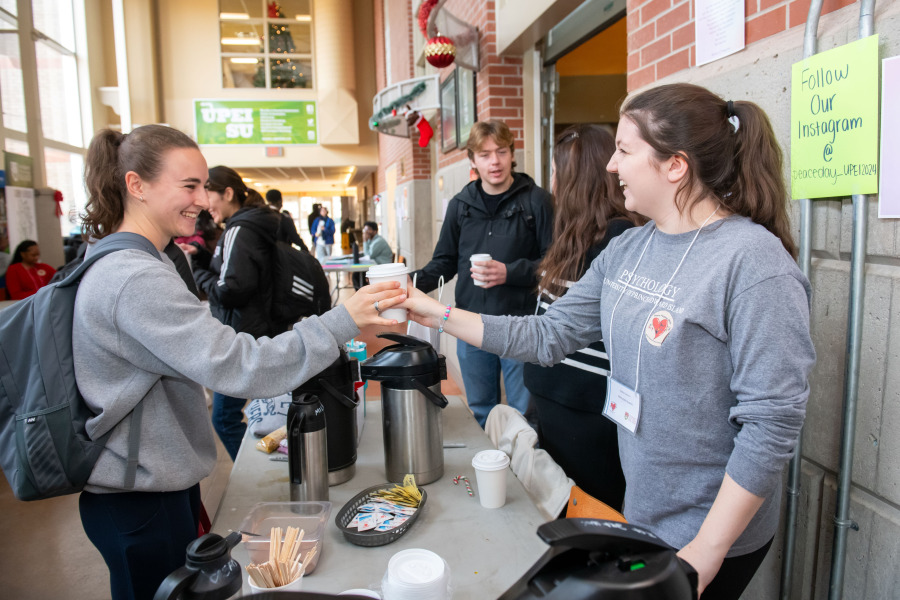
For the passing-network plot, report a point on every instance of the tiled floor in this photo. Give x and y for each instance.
(47, 554)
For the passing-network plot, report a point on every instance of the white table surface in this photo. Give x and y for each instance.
(487, 549)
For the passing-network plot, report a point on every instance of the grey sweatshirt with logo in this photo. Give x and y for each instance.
(139, 335)
(724, 363)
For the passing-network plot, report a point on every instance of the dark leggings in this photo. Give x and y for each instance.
(735, 575)
(142, 536)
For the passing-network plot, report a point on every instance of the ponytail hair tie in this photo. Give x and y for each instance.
(732, 116)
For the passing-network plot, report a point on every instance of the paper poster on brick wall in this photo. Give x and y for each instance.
(718, 29)
(834, 122)
(889, 188)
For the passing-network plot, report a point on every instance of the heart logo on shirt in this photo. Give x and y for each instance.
(659, 327)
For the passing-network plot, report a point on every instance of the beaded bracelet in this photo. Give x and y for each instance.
(446, 316)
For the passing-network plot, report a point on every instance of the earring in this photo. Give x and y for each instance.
(142, 200)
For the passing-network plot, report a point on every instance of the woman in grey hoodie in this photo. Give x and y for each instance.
(705, 317)
(133, 314)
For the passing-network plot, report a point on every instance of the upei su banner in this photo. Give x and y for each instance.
(259, 122)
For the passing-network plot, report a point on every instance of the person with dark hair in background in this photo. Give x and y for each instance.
(705, 315)
(506, 215)
(288, 231)
(323, 234)
(132, 317)
(374, 246)
(589, 212)
(310, 219)
(238, 282)
(26, 274)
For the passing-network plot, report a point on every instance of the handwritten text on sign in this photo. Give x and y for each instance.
(834, 122)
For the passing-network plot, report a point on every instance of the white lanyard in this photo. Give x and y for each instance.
(659, 296)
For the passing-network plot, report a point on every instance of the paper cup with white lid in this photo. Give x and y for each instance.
(416, 574)
(478, 258)
(390, 272)
(490, 476)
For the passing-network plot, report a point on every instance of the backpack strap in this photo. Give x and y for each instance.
(108, 245)
(134, 442)
(100, 248)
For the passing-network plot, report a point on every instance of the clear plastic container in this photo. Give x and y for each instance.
(308, 516)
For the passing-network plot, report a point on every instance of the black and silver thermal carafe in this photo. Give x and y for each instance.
(334, 387)
(307, 448)
(209, 573)
(410, 373)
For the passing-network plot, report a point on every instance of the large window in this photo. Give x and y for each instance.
(58, 148)
(266, 43)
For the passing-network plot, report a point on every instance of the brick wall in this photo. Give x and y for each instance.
(412, 162)
(498, 82)
(661, 32)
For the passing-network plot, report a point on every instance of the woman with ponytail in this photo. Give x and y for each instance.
(705, 316)
(589, 212)
(238, 281)
(132, 315)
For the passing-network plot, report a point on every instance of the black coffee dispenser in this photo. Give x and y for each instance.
(592, 559)
(334, 387)
(209, 573)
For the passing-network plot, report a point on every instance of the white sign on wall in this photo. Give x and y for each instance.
(718, 29)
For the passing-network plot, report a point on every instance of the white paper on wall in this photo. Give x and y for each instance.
(718, 29)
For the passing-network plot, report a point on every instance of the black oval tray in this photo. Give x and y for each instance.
(371, 537)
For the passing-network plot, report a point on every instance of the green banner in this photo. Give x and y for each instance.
(834, 122)
(255, 122)
(18, 170)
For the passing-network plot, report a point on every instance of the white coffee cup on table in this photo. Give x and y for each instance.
(490, 476)
(390, 272)
(478, 258)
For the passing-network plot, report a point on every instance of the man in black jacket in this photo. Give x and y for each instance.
(506, 215)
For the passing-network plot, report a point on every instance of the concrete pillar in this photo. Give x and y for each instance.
(338, 112)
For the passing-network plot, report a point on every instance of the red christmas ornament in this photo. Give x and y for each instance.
(424, 11)
(274, 10)
(440, 51)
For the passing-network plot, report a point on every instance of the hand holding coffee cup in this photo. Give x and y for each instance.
(390, 272)
(363, 308)
(487, 272)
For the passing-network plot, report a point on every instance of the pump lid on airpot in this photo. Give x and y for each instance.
(409, 358)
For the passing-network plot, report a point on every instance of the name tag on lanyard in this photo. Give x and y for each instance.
(623, 405)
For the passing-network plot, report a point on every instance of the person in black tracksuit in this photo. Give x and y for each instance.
(569, 396)
(508, 216)
(238, 282)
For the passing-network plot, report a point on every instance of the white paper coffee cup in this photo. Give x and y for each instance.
(478, 258)
(390, 272)
(490, 476)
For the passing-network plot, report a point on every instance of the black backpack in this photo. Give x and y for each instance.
(299, 284)
(44, 448)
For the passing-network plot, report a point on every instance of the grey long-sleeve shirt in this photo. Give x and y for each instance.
(139, 335)
(723, 366)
